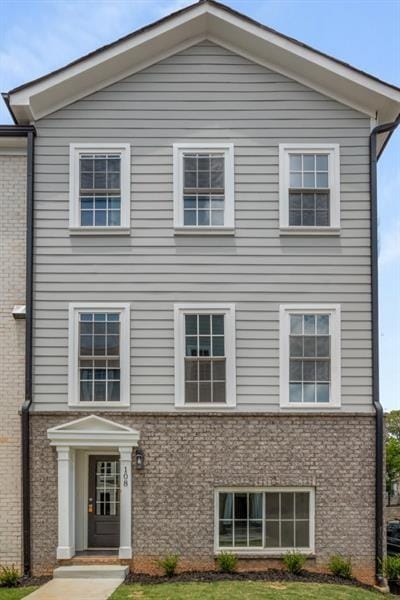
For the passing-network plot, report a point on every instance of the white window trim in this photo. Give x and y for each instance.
(333, 152)
(229, 216)
(335, 326)
(74, 209)
(261, 551)
(73, 354)
(180, 310)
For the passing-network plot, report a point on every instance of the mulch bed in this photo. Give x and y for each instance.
(28, 581)
(273, 575)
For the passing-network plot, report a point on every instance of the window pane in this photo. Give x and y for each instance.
(323, 370)
(240, 506)
(295, 180)
(191, 346)
(308, 162)
(295, 392)
(190, 179)
(322, 218)
(225, 534)
(308, 218)
(204, 324)
(86, 391)
(322, 180)
(218, 324)
(217, 163)
(302, 534)
(309, 324)
(217, 179)
(99, 391)
(309, 392)
(203, 217)
(296, 346)
(205, 392)
(217, 217)
(287, 505)
(113, 391)
(191, 370)
(114, 218)
(322, 162)
(191, 324)
(203, 178)
(323, 346)
(323, 392)
(100, 218)
(219, 370)
(295, 217)
(86, 347)
(309, 370)
(309, 180)
(191, 392)
(240, 533)
(204, 346)
(219, 392)
(309, 346)
(255, 533)
(295, 201)
(296, 370)
(272, 534)
(287, 534)
(308, 201)
(205, 370)
(296, 324)
(302, 505)
(255, 506)
(225, 505)
(218, 346)
(112, 345)
(272, 505)
(295, 162)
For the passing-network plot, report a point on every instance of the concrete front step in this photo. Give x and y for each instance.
(118, 572)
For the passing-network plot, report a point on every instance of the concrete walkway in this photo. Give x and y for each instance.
(76, 589)
(83, 582)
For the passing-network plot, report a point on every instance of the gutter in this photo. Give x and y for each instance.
(379, 431)
(29, 132)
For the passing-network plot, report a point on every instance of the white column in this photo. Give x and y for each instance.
(125, 542)
(66, 546)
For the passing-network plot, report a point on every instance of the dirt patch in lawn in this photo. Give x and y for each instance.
(31, 581)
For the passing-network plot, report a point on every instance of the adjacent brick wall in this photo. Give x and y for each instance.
(186, 457)
(12, 351)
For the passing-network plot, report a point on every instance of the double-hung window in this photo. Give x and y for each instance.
(309, 180)
(99, 355)
(203, 188)
(271, 520)
(99, 187)
(310, 356)
(205, 355)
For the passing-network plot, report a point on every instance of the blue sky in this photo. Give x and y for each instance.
(38, 36)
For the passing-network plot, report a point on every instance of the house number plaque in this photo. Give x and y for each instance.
(125, 477)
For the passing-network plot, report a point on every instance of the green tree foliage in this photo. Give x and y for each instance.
(393, 424)
(392, 463)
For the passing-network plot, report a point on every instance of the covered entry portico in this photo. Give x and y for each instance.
(76, 442)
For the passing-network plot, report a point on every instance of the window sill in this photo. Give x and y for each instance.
(99, 231)
(313, 405)
(97, 405)
(263, 553)
(309, 231)
(205, 406)
(204, 230)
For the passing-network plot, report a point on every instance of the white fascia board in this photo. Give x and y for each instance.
(206, 21)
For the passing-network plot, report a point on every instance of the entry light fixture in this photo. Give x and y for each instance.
(139, 458)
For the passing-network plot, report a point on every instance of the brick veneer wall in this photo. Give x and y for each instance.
(186, 457)
(12, 351)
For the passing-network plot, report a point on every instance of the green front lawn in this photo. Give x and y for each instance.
(242, 590)
(16, 593)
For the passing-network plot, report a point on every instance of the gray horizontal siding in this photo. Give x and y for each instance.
(205, 93)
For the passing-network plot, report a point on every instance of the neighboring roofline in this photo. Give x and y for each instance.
(182, 11)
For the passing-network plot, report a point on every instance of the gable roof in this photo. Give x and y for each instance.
(207, 19)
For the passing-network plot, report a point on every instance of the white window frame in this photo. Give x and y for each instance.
(75, 150)
(261, 550)
(335, 328)
(228, 310)
(229, 177)
(73, 352)
(333, 153)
